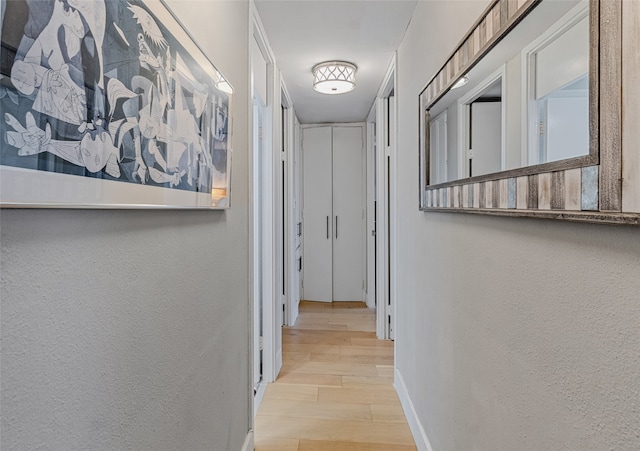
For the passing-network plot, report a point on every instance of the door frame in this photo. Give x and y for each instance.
(272, 310)
(290, 125)
(370, 245)
(384, 259)
(464, 119)
(257, 238)
(364, 126)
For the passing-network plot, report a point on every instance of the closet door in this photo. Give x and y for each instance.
(348, 214)
(317, 214)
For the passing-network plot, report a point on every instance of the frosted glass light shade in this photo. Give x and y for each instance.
(334, 77)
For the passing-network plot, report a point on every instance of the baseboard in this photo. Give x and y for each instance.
(419, 435)
(370, 301)
(278, 364)
(248, 442)
(257, 398)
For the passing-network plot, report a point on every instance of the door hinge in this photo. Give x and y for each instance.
(541, 128)
(261, 343)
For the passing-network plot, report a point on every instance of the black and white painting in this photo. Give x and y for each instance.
(109, 102)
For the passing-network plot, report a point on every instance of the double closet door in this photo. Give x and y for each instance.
(333, 213)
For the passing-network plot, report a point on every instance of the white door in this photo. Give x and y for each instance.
(348, 214)
(486, 137)
(317, 214)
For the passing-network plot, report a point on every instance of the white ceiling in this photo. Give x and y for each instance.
(303, 33)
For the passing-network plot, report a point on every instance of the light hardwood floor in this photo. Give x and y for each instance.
(335, 389)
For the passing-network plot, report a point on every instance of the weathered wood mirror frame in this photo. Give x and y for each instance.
(591, 188)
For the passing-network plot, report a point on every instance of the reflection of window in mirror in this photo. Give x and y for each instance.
(556, 67)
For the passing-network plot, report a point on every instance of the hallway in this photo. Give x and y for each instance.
(335, 389)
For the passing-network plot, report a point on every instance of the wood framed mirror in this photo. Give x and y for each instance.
(528, 115)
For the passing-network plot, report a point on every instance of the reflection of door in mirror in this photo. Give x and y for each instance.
(559, 89)
(485, 155)
(481, 126)
(438, 146)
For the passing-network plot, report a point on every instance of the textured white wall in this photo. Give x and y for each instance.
(513, 334)
(129, 329)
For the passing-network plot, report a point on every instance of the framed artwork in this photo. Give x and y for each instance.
(109, 104)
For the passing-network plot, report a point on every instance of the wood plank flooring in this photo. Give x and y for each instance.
(335, 389)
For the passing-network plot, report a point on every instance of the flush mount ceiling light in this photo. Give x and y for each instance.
(334, 77)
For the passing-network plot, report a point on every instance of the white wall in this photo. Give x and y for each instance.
(513, 334)
(130, 329)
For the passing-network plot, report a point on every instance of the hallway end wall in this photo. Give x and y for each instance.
(512, 333)
(129, 329)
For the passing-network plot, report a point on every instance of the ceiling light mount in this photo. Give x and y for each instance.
(334, 77)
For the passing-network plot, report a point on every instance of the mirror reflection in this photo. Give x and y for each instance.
(524, 103)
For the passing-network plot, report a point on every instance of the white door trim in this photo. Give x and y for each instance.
(381, 231)
(386, 244)
(272, 311)
(363, 127)
(463, 119)
(370, 295)
(292, 298)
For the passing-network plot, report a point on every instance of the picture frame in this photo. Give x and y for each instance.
(110, 104)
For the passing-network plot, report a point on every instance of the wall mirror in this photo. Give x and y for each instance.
(515, 121)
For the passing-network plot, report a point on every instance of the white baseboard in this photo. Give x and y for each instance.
(419, 435)
(370, 301)
(257, 398)
(278, 364)
(248, 442)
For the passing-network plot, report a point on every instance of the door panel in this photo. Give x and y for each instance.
(317, 214)
(348, 214)
(486, 137)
